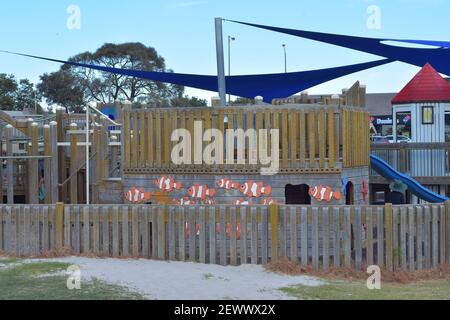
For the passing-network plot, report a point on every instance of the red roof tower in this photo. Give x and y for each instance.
(426, 86)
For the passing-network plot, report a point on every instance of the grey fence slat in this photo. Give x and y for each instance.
(67, 228)
(411, 236)
(135, 231)
(426, 238)
(243, 239)
(233, 236)
(223, 236)
(52, 218)
(293, 234)
(8, 230)
(304, 235)
(172, 236)
(380, 237)
(212, 235)
(315, 238)
(45, 229)
(155, 211)
(254, 236)
(347, 238)
(369, 236)
(403, 227)
(192, 234)
(282, 235)
(447, 245)
(265, 235)
(2, 248)
(326, 238)
(435, 237)
(358, 238)
(420, 237)
(26, 231)
(145, 233)
(162, 232)
(96, 231)
(36, 232)
(395, 237)
(86, 230)
(182, 234)
(105, 230)
(115, 233)
(19, 229)
(202, 237)
(125, 232)
(337, 238)
(76, 230)
(442, 235)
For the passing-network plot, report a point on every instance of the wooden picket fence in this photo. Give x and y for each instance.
(394, 237)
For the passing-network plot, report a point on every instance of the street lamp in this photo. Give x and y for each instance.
(230, 38)
(285, 58)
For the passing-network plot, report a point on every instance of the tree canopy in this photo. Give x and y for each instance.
(18, 95)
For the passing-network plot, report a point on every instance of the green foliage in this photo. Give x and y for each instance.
(187, 101)
(242, 102)
(18, 95)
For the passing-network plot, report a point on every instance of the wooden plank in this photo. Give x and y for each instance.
(284, 139)
(150, 143)
(435, 236)
(155, 232)
(358, 238)
(403, 231)
(202, 237)
(127, 139)
(447, 231)
(326, 238)
(369, 236)
(347, 238)
(182, 234)
(212, 235)
(172, 236)
(304, 235)
(380, 237)
(16, 237)
(105, 230)
(2, 242)
(302, 136)
(223, 236)
(135, 143)
(411, 236)
(158, 134)
(135, 231)
(76, 230)
(142, 139)
(162, 232)
(53, 231)
(283, 234)
(293, 137)
(395, 237)
(442, 237)
(166, 137)
(315, 238)
(427, 238)
(264, 235)
(67, 228)
(115, 233)
(389, 237)
(322, 137)
(337, 238)
(331, 159)
(243, 239)
(274, 211)
(233, 236)
(293, 234)
(311, 124)
(192, 234)
(240, 148)
(8, 230)
(46, 220)
(26, 231)
(145, 232)
(254, 236)
(86, 230)
(96, 232)
(36, 232)
(420, 237)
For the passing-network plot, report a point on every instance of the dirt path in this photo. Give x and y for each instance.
(189, 281)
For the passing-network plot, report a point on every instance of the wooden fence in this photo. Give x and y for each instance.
(399, 237)
(310, 139)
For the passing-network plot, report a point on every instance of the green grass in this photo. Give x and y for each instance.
(44, 281)
(357, 290)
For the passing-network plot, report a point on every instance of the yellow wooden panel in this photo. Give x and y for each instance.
(221, 127)
(174, 126)
(230, 142)
(142, 140)
(126, 139)
(150, 128)
(158, 134)
(322, 137)
(191, 131)
(135, 152)
(293, 137)
(284, 138)
(331, 158)
(302, 136)
(276, 125)
(166, 139)
(267, 126)
(312, 138)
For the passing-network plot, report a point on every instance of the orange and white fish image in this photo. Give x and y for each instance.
(227, 184)
(253, 189)
(137, 196)
(185, 202)
(321, 193)
(268, 202)
(201, 192)
(168, 184)
(209, 202)
(243, 202)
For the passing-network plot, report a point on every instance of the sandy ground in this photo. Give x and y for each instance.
(189, 281)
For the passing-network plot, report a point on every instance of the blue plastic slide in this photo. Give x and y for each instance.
(389, 173)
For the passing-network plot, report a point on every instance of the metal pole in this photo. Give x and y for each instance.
(229, 64)
(220, 62)
(285, 58)
(87, 156)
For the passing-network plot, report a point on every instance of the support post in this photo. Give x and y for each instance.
(33, 164)
(274, 218)
(61, 136)
(47, 165)
(73, 165)
(1, 167)
(59, 225)
(220, 62)
(9, 164)
(54, 167)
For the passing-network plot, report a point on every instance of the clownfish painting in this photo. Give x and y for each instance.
(253, 189)
(201, 192)
(167, 184)
(321, 193)
(137, 196)
(227, 184)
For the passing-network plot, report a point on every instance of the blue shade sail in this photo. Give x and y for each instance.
(269, 86)
(439, 58)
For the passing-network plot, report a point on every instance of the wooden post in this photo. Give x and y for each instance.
(33, 172)
(59, 225)
(73, 165)
(389, 237)
(61, 137)
(10, 164)
(1, 176)
(447, 230)
(54, 165)
(274, 218)
(47, 165)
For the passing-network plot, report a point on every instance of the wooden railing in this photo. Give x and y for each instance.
(400, 237)
(310, 139)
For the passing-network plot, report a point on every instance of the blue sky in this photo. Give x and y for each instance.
(182, 31)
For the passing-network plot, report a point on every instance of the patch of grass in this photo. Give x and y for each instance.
(22, 282)
(357, 290)
(6, 261)
(208, 276)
